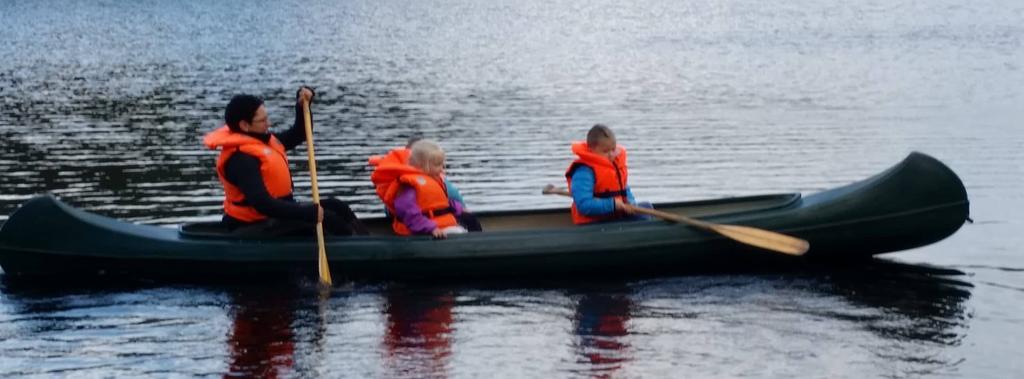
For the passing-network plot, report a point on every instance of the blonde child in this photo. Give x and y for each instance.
(418, 196)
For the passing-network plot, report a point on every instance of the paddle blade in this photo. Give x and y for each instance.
(325, 271)
(762, 238)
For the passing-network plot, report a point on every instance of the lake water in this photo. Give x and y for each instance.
(104, 103)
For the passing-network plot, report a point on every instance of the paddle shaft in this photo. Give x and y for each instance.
(652, 212)
(322, 265)
(765, 239)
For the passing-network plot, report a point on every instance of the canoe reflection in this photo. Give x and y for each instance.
(417, 340)
(600, 324)
(931, 301)
(261, 341)
(895, 301)
(280, 330)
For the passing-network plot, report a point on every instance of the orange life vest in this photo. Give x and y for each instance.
(431, 196)
(610, 178)
(397, 156)
(273, 167)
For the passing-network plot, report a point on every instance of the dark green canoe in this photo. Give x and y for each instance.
(917, 202)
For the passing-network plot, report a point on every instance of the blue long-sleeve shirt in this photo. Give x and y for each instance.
(583, 194)
(453, 192)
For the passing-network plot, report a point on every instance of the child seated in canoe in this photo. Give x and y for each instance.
(415, 194)
(400, 155)
(598, 179)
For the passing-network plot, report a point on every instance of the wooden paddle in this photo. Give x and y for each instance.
(325, 271)
(764, 239)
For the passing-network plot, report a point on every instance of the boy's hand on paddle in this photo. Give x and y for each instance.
(550, 189)
(438, 233)
(624, 207)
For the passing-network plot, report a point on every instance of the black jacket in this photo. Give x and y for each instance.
(243, 171)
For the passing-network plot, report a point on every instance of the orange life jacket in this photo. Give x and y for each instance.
(610, 178)
(273, 167)
(397, 156)
(431, 196)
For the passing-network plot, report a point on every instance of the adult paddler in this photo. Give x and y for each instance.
(253, 168)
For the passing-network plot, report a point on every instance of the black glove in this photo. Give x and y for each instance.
(310, 90)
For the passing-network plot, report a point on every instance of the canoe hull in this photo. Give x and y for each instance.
(915, 203)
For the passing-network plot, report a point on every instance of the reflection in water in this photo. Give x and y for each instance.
(61, 328)
(899, 318)
(929, 302)
(875, 318)
(261, 339)
(600, 325)
(418, 339)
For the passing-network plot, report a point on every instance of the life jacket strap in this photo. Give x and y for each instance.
(245, 202)
(607, 194)
(438, 212)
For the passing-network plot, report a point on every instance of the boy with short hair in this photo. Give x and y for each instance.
(598, 179)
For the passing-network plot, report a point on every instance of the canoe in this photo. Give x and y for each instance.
(916, 202)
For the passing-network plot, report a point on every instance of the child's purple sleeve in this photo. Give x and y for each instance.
(457, 207)
(409, 212)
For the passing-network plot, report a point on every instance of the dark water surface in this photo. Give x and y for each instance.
(103, 103)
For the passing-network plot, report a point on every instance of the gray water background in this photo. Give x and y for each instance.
(103, 103)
